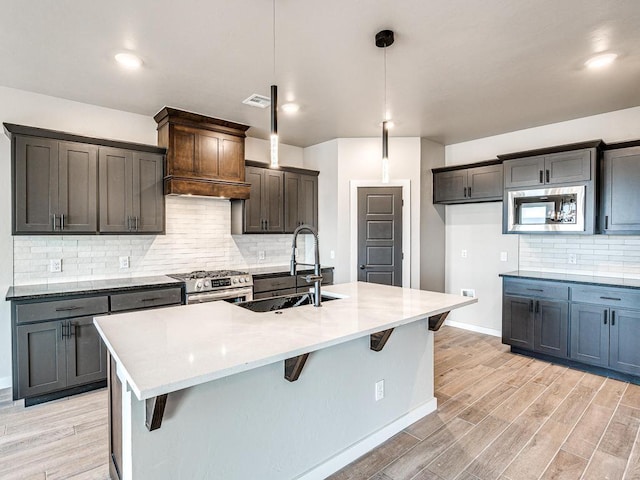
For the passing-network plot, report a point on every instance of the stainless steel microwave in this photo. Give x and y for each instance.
(546, 210)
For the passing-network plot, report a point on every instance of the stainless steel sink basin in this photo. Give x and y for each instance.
(281, 303)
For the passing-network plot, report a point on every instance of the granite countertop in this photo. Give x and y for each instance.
(277, 270)
(163, 350)
(27, 292)
(572, 278)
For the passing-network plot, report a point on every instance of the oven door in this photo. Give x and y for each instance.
(233, 295)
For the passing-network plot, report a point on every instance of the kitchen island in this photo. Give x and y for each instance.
(217, 391)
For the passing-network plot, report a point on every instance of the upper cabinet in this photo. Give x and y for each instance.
(281, 200)
(56, 177)
(131, 198)
(54, 186)
(565, 167)
(620, 205)
(205, 156)
(481, 182)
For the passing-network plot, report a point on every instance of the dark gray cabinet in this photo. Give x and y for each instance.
(300, 201)
(620, 206)
(278, 284)
(468, 185)
(554, 168)
(56, 346)
(131, 197)
(263, 211)
(54, 186)
(517, 321)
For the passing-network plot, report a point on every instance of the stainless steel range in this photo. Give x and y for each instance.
(209, 286)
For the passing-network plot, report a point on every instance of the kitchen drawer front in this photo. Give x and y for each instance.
(611, 297)
(57, 309)
(274, 293)
(533, 288)
(273, 283)
(146, 299)
(327, 279)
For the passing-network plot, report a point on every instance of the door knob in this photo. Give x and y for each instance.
(362, 267)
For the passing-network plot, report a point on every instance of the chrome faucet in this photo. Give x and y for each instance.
(316, 278)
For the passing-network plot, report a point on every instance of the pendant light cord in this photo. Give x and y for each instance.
(384, 114)
(274, 42)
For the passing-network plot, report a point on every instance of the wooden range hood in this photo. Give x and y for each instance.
(205, 155)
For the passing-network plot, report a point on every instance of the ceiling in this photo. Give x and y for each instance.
(459, 69)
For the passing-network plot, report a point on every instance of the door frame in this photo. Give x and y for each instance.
(406, 225)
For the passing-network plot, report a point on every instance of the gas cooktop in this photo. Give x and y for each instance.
(211, 280)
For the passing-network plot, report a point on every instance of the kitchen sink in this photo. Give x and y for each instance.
(281, 303)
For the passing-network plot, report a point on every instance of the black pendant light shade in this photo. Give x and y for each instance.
(384, 39)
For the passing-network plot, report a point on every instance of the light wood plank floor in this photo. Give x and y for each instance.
(500, 416)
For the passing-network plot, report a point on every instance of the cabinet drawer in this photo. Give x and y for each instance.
(273, 283)
(274, 293)
(612, 297)
(146, 299)
(327, 279)
(56, 309)
(533, 288)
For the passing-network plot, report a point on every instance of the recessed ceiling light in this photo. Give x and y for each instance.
(601, 60)
(290, 107)
(128, 60)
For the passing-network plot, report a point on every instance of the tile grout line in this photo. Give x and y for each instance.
(633, 449)
(604, 432)
(584, 412)
(543, 423)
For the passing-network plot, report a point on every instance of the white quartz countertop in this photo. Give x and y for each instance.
(163, 350)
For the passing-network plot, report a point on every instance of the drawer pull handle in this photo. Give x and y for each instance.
(605, 316)
(611, 298)
(530, 305)
(535, 289)
(613, 318)
(150, 299)
(68, 309)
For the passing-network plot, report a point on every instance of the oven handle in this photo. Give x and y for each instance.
(210, 297)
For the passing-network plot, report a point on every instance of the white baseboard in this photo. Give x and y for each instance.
(354, 452)
(474, 328)
(5, 382)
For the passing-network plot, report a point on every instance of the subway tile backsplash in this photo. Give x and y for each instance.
(197, 237)
(604, 255)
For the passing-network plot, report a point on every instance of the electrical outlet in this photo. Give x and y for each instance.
(55, 265)
(573, 258)
(468, 292)
(379, 390)
(463, 253)
(261, 255)
(504, 257)
(124, 262)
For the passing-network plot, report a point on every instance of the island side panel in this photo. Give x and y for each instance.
(258, 425)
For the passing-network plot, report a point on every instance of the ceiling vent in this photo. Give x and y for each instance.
(256, 100)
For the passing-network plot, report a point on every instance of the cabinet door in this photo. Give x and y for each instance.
(207, 159)
(517, 321)
(590, 334)
(292, 197)
(148, 197)
(77, 180)
(308, 200)
(621, 202)
(550, 325)
(36, 185)
(485, 183)
(40, 358)
(624, 331)
(273, 205)
(449, 186)
(524, 172)
(568, 167)
(116, 190)
(86, 353)
(231, 158)
(183, 142)
(253, 219)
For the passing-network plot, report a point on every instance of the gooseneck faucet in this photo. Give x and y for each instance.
(316, 278)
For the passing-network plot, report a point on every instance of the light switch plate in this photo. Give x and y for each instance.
(379, 390)
(261, 255)
(504, 257)
(463, 253)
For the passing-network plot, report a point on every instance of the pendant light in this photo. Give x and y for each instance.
(274, 101)
(385, 39)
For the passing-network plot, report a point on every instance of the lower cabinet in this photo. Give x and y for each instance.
(276, 285)
(535, 324)
(59, 354)
(595, 325)
(606, 337)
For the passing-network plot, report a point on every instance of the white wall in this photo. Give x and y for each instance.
(260, 151)
(347, 159)
(94, 257)
(477, 227)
